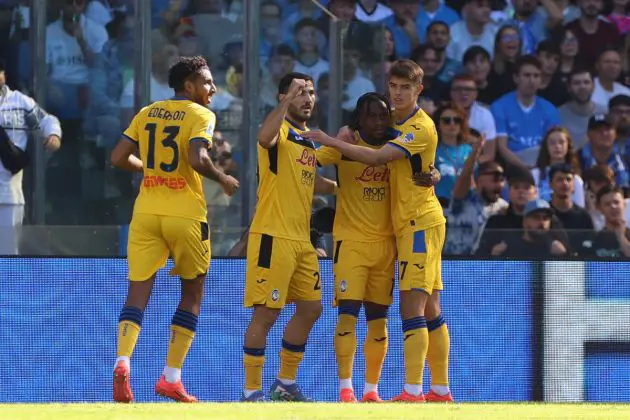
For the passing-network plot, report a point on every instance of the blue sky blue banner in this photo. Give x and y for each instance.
(59, 325)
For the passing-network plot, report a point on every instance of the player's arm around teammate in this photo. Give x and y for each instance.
(282, 264)
(420, 230)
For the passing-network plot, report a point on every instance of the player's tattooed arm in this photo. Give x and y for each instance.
(123, 156)
(270, 128)
(324, 185)
(201, 162)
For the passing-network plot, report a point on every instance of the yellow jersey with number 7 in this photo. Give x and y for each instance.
(163, 132)
(414, 208)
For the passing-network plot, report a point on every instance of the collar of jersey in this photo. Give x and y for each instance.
(293, 124)
(415, 110)
(179, 98)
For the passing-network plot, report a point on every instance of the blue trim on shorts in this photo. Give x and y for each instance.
(419, 242)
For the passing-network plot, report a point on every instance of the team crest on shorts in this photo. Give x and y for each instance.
(275, 295)
(343, 286)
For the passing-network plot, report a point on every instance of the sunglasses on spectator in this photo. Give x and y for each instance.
(451, 120)
(510, 38)
(498, 176)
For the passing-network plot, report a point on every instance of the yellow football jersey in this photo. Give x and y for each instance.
(414, 208)
(163, 132)
(286, 179)
(363, 197)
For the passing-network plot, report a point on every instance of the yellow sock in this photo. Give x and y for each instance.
(253, 362)
(375, 349)
(416, 345)
(291, 356)
(345, 344)
(128, 333)
(437, 356)
(179, 344)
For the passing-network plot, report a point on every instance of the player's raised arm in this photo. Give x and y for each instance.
(270, 128)
(358, 153)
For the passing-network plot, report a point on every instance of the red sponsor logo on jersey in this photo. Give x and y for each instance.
(307, 158)
(374, 174)
(174, 183)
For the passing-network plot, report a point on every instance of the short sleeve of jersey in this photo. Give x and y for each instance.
(203, 127)
(132, 132)
(409, 142)
(327, 156)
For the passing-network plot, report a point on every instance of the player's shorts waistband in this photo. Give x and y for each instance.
(283, 237)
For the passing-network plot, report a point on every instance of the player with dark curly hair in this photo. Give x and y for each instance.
(173, 137)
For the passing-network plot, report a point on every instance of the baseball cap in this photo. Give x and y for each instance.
(599, 120)
(619, 100)
(516, 174)
(537, 205)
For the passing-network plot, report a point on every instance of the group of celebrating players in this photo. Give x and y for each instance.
(386, 210)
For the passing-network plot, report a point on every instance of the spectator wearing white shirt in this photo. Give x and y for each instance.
(372, 11)
(308, 58)
(102, 11)
(355, 84)
(163, 59)
(476, 28)
(464, 94)
(19, 115)
(71, 42)
(608, 68)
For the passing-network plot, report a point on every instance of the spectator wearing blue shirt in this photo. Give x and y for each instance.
(521, 117)
(601, 149)
(404, 27)
(270, 28)
(434, 11)
(452, 150)
(532, 24)
(439, 36)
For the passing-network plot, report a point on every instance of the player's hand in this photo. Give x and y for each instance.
(52, 143)
(229, 184)
(498, 249)
(320, 137)
(321, 252)
(427, 179)
(296, 88)
(346, 135)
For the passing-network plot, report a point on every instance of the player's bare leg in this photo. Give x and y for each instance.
(346, 346)
(416, 343)
(293, 345)
(183, 327)
(129, 324)
(262, 320)
(374, 349)
(439, 346)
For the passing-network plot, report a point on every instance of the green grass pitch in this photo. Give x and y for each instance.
(278, 411)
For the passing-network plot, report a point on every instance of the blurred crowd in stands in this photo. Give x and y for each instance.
(544, 84)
